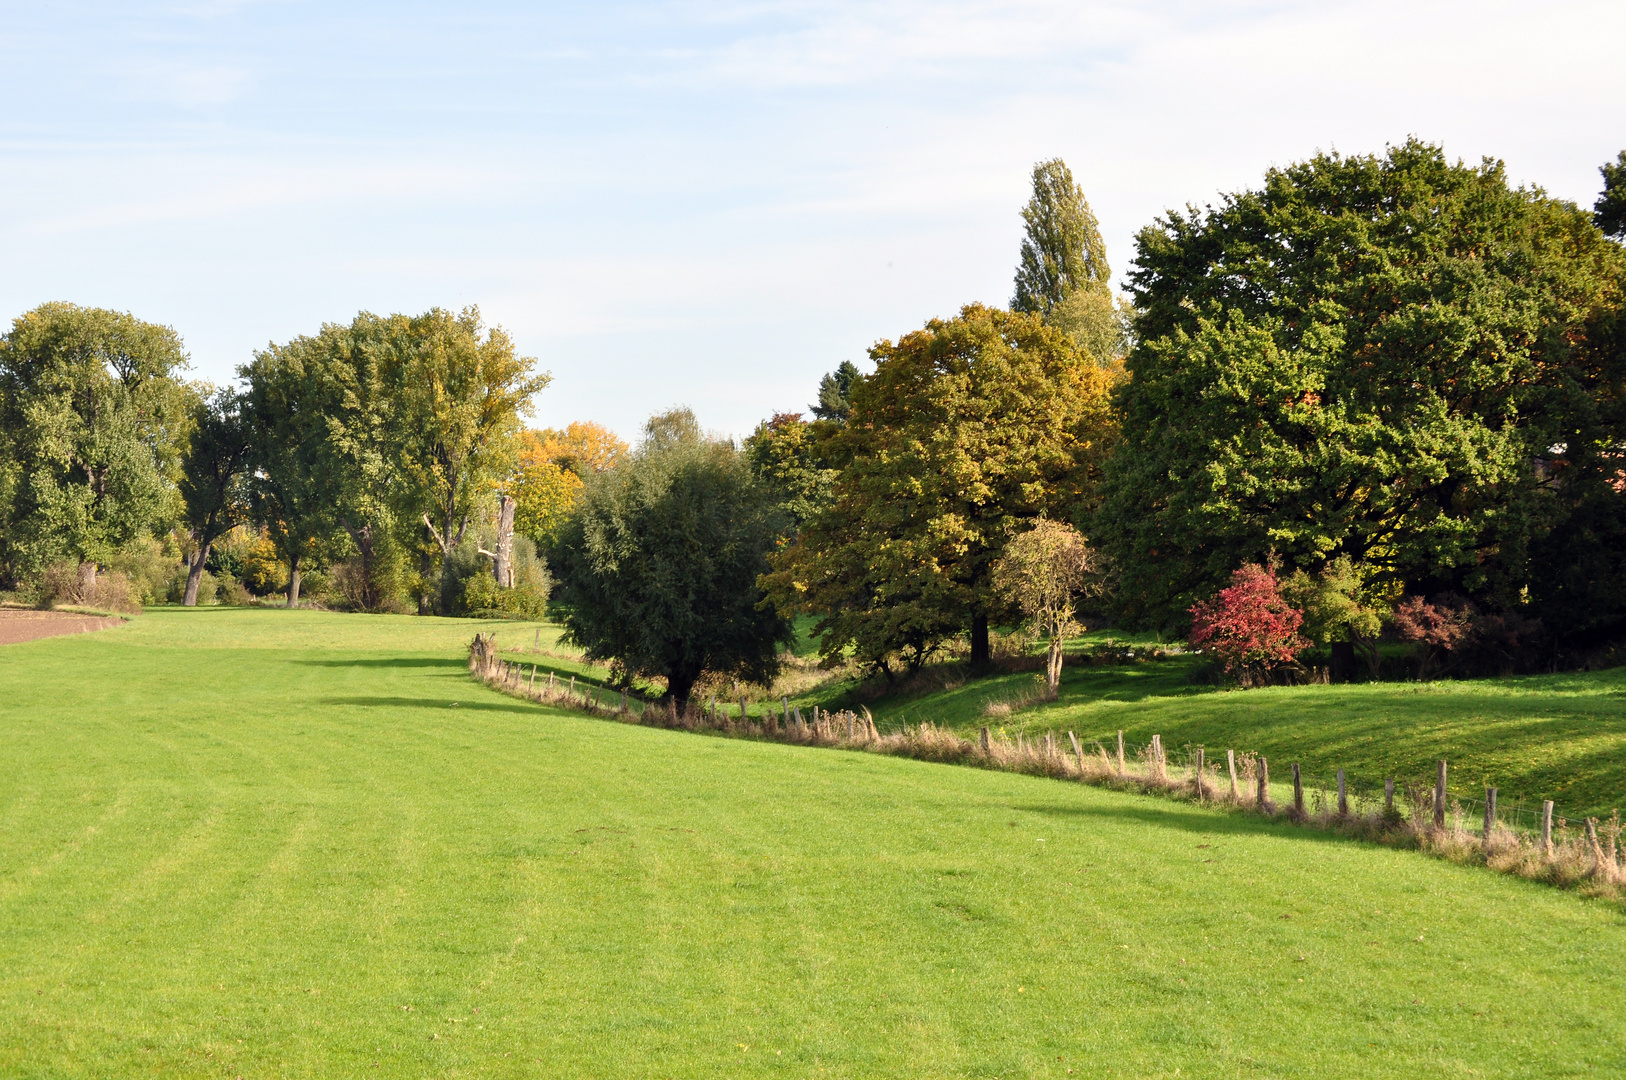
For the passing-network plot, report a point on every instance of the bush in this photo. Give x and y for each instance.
(152, 571)
(69, 583)
(1249, 627)
(231, 592)
(247, 555)
(469, 588)
(385, 591)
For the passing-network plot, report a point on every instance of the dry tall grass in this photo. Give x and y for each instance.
(1589, 860)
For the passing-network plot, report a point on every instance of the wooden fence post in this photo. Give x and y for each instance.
(744, 715)
(1078, 752)
(1262, 798)
(550, 682)
(1120, 753)
(985, 739)
(1389, 797)
(1158, 768)
(1490, 814)
(1230, 767)
(1343, 799)
(1439, 796)
(1198, 774)
(1049, 745)
(1298, 791)
(1547, 828)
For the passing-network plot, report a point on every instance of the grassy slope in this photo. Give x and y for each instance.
(263, 843)
(1561, 737)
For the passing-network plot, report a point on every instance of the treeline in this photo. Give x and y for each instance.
(1380, 397)
(387, 456)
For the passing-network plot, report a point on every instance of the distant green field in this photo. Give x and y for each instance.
(262, 843)
(1559, 737)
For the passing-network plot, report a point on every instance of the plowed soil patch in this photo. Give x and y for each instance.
(17, 625)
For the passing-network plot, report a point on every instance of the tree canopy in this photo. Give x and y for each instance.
(966, 427)
(1371, 357)
(1062, 249)
(93, 420)
(668, 548)
(1609, 213)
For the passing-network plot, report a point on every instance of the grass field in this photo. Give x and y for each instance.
(1559, 737)
(260, 843)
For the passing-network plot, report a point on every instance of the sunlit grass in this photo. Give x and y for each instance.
(263, 843)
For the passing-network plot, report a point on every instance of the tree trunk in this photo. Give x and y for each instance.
(363, 539)
(503, 562)
(1368, 648)
(980, 653)
(679, 685)
(1343, 661)
(426, 567)
(1053, 666)
(293, 582)
(194, 575)
(87, 580)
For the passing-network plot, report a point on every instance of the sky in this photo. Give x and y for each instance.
(696, 203)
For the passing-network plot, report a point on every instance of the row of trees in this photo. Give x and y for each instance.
(1388, 390)
(394, 443)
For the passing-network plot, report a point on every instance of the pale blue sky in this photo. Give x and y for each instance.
(703, 203)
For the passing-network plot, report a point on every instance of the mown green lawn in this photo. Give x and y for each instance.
(1559, 737)
(260, 843)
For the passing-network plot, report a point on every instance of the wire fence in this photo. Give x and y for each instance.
(1411, 795)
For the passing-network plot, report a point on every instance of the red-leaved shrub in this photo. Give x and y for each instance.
(1248, 626)
(1436, 627)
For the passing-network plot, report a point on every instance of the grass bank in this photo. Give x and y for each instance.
(1559, 737)
(267, 843)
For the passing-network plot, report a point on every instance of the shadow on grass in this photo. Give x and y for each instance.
(441, 704)
(1188, 818)
(391, 662)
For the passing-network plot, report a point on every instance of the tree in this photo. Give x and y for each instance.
(462, 392)
(1365, 358)
(290, 480)
(92, 422)
(1062, 252)
(783, 452)
(212, 480)
(1249, 626)
(835, 393)
(1040, 574)
(581, 446)
(1342, 610)
(966, 427)
(669, 545)
(545, 494)
(346, 382)
(1609, 212)
(1445, 626)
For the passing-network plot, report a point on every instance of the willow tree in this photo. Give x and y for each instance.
(668, 546)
